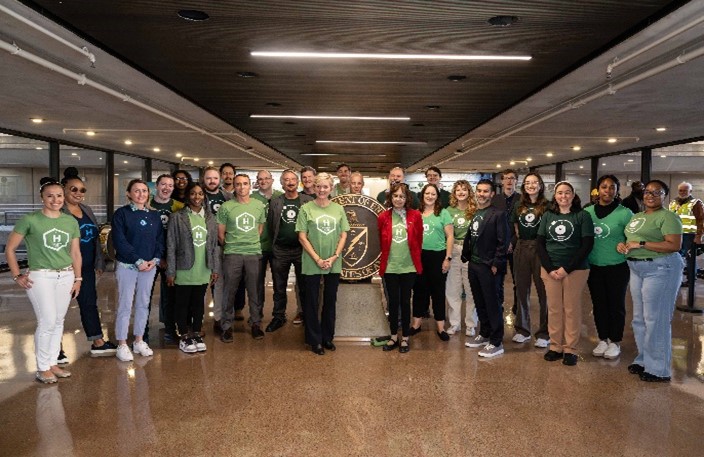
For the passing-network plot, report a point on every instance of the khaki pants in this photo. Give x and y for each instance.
(565, 309)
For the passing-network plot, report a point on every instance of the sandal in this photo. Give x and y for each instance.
(404, 347)
(46, 379)
(390, 345)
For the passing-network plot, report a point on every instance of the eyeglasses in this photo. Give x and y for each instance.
(182, 178)
(654, 193)
(76, 189)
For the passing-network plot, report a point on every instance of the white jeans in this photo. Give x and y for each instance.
(50, 295)
(457, 281)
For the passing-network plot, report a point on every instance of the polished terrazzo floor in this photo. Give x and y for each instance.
(274, 397)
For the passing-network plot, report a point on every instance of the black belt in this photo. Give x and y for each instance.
(633, 259)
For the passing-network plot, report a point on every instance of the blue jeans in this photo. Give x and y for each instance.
(654, 287)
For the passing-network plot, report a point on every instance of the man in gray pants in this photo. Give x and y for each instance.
(240, 224)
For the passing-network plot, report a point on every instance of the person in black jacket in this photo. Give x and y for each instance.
(485, 249)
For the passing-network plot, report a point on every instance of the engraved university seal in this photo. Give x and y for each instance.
(360, 257)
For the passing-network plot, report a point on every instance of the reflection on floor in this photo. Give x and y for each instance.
(275, 397)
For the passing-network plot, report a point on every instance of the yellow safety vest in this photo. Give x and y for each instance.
(684, 211)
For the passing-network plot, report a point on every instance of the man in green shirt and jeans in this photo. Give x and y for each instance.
(240, 224)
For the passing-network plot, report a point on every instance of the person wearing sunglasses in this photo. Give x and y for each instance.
(182, 178)
(93, 263)
(653, 241)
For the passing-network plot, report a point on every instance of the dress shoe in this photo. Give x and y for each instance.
(390, 345)
(226, 336)
(318, 349)
(257, 333)
(634, 368)
(413, 331)
(570, 360)
(552, 356)
(329, 345)
(217, 329)
(275, 324)
(404, 347)
(647, 377)
(443, 336)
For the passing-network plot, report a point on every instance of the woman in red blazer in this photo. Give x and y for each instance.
(401, 237)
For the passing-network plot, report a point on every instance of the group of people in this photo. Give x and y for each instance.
(438, 248)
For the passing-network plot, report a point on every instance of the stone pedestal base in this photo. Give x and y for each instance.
(360, 312)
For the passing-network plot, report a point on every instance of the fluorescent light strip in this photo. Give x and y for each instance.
(352, 55)
(369, 142)
(313, 154)
(359, 118)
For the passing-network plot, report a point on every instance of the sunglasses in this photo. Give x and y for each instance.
(76, 189)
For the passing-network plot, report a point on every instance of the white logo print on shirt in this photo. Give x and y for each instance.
(325, 224)
(56, 239)
(245, 222)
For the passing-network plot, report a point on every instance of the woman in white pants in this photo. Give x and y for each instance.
(462, 208)
(54, 254)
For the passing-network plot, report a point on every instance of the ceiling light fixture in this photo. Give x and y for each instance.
(178, 154)
(354, 118)
(512, 162)
(156, 150)
(273, 104)
(354, 55)
(210, 162)
(503, 21)
(456, 78)
(128, 142)
(315, 154)
(36, 120)
(125, 161)
(433, 107)
(90, 133)
(193, 15)
(74, 154)
(369, 142)
(663, 156)
(612, 140)
(660, 129)
(247, 74)
(38, 148)
(529, 159)
(498, 165)
(549, 154)
(576, 148)
(630, 160)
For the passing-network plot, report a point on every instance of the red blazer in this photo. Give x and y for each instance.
(414, 226)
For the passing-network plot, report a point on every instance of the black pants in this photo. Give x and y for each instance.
(490, 312)
(430, 285)
(267, 258)
(319, 330)
(398, 287)
(608, 285)
(501, 276)
(88, 305)
(189, 304)
(283, 258)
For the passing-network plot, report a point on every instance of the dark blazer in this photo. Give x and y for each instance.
(180, 253)
(276, 205)
(493, 239)
(99, 261)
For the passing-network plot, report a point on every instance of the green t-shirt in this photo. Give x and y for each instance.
(474, 228)
(287, 235)
(652, 227)
(608, 232)
(323, 226)
(434, 231)
(266, 236)
(460, 223)
(563, 236)
(48, 240)
(198, 274)
(400, 260)
(241, 221)
(528, 222)
(165, 210)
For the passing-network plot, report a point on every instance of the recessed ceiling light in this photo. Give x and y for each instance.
(90, 133)
(178, 154)
(117, 174)
(125, 161)
(630, 160)
(274, 104)
(361, 55)
(576, 148)
(38, 148)
(433, 107)
(549, 154)
(603, 164)
(581, 166)
(210, 162)
(529, 159)
(456, 78)
(156, 150)
(498, 165)
(247, 74)
(663, 156)
(128, 142)
(193, 15)
(196, 159)
(343, 118)
(315, 154)
(74, 154)
(503, 21)
(612, 140)
(512, 163)
(660, 129)
(36, 120)
(370, 142)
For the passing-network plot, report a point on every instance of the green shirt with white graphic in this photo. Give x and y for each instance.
(48, 240)
(241, 221)
(323, 226)
(266, 236)
(460, 223)
(287, 235)
(652, 227)
(563, 236)
(399, 255)
(608, 232)
(434, 231)
(199, 273)
(528, 222)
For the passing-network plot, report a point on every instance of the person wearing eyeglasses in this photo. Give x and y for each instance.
(182, 178)
(93, 263)
(505, 201)
(653, 241)
(54, 257)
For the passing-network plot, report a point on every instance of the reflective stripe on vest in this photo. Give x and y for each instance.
(684, 211)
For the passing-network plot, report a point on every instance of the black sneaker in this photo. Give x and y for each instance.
(647, 377)
(275, 324)
(171, 338)
(257, 333)
(226, 336)
(634, 368)
(569, 359)
(217, 328)
(106, 349)
(552, 356)
(62, 359)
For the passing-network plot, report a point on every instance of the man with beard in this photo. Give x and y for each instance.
(227, 176)
(397, 175)
(343, 185)
(634, 202)
(485, 249)
(286, 249)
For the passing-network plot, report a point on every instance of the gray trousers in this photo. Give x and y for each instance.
(234, 266)
(526, 267)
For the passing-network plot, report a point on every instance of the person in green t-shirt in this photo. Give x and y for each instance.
(462, 208)
(608, 272)
(193, 261)
(54, 256)
(438, 239)
(525, 220)
(240, 225)
(653, 241)
(322, 228)
(565, 239)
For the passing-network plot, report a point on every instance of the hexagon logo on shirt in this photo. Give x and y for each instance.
(635, 224)
(245, 222)
(399, 233)
(561, 230)
(200, 234)
(325, 224)
(56, 239)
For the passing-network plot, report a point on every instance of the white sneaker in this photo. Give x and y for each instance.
(477, 342)
(491, 351)
(518, 338)
(613, 351)
(142, 348)
(470, 331)
(200, 345)
(123, 353)
(541, 343)
(188, 345)
(453, 329)
(600, 348)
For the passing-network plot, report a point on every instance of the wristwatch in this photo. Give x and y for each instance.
(642, 243)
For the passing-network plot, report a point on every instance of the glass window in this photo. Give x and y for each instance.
(160, 168)
(24, 163)
(626, 167)
(579, 175)
(127, 168)
(675, 164)
(91, 168)
(548, 174)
